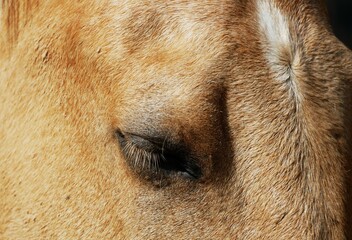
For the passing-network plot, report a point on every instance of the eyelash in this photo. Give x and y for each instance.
(157, 159)
(141, 158)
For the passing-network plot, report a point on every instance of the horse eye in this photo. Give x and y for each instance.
(156, 158)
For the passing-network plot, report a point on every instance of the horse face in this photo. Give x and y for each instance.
(174, 120)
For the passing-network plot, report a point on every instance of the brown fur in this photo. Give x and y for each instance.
(71, 73)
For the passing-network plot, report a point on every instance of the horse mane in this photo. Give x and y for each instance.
(14, 15)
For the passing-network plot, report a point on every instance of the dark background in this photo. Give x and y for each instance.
(340, 12)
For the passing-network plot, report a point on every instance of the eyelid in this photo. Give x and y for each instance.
(148, 143)
(144, 143)
(161, 155)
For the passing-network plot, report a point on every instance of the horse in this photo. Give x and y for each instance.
(227, 119)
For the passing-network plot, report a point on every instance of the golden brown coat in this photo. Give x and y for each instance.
(271, 133)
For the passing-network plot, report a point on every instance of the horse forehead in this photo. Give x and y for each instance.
(169, 44)
(159, 32)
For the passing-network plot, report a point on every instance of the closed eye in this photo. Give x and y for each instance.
(156, 158)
